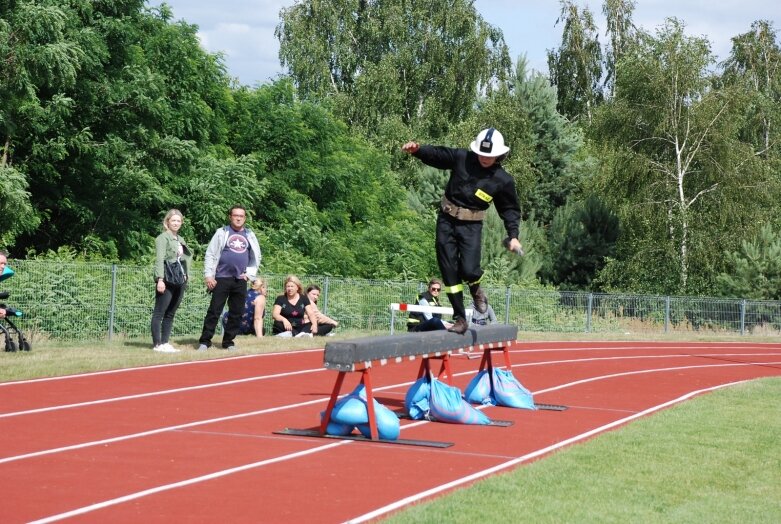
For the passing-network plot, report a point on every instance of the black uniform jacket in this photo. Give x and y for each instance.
(474, 187)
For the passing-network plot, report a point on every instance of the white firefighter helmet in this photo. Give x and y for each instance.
(489, 142)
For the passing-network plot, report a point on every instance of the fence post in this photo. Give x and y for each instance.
(325, 296)
(743, 317)
(666, 314)
(588, 312)
(507, 305)
(112, 302)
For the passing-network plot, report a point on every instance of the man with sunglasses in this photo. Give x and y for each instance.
(477, 179)
(428, 321)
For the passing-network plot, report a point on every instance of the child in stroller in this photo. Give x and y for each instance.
(11, 335)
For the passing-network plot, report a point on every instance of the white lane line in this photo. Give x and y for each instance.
(157, 431)
(315, 370)
(160, 392)
(524, 458)
(188, 482)
(155, 366)
(644, 346)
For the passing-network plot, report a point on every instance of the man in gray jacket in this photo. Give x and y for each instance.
(232, 259)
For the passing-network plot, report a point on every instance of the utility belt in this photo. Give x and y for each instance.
(462, 213)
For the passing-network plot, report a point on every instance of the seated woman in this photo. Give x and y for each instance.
(324, 323)
(254, 310)
(289, 311)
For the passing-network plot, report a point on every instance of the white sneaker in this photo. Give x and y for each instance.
(304, 334)
(165, 348)
(284, 334)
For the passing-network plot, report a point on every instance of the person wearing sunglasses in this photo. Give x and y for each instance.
(428, 321)
(477, 180)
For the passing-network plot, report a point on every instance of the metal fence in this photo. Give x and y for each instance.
(88, 301)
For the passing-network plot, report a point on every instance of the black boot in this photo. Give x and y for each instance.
(479, 298)
(459, 326)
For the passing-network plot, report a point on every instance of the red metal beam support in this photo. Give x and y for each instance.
(332, 402)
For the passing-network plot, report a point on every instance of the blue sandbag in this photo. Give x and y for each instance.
(448, 406)
(340, 430)
(478, 391)
(351, 411)
(416, 400)
(388, 426)
(509, 392)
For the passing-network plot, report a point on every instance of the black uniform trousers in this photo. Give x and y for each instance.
(459, 244)
(234, 291)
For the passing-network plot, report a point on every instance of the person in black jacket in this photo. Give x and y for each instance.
(476, 180)
(428, 321)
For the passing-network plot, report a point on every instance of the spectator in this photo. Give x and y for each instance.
(428, 321)
(477, 179)
(289, 311)
(170, 248)
(325, 324)
(254, 310)
(483, 319)
(232, 259)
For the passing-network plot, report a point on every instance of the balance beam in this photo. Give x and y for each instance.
(362, 354)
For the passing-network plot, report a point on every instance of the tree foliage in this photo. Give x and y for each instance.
(420, 62)
(583, 237)
(754, 270)
(576, 67)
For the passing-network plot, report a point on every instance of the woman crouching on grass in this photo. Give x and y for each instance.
(289, 311)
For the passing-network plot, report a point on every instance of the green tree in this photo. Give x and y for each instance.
(622, 33)
(582, 238)
(754, 271)
(755, 65)
(420, 62)
(112, 105)
(327, 200)
(676, 173)
(576, 67)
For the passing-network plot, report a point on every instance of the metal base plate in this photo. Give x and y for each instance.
(406, 442)
(551, 407)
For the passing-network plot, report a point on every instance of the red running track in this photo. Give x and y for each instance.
(195, 441)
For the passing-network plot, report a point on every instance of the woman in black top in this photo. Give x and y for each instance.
(289, 310)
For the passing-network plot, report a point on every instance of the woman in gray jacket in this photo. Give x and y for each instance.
(170, 248)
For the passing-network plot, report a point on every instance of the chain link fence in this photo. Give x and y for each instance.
(89, 301)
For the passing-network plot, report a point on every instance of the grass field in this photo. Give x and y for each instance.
(716, 458)
(713, 459)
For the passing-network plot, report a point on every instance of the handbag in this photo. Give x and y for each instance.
(174, 273)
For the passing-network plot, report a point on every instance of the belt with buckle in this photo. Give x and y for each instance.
(462, 213)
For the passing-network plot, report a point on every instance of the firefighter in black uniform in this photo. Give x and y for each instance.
(476, 180)
(428, 321)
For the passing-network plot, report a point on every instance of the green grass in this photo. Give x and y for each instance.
(716, 458)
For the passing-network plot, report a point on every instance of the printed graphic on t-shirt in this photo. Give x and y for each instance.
(237, 243)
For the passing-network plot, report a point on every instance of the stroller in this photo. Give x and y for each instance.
(10, 334)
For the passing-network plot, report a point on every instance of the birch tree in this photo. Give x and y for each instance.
(678, 171)
(576, 67)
